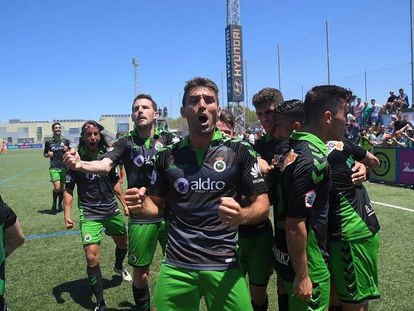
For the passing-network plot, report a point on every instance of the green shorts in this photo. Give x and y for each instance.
(57, 175)
(255, 256)
(354, 269)
(318, 302)
(143, 242)
(181, 289)
(91, 230)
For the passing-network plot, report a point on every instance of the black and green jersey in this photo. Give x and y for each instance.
(7, 219)
(96, 199)
(351, 215)
(137, 156)
(304, 191)
(57, 146)
(193, 180)
(265, 147)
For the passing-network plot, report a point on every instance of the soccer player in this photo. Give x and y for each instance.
(136, 151)
(301, 230)
(98, 209)
(353, 230)
(197, 180)
(12, 237)
(55, 149)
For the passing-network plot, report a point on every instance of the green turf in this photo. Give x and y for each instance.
(49, 273)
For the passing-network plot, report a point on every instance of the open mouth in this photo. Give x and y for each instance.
(202, 119)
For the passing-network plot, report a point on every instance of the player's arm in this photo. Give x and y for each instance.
(13, 237)
(119, 192)
(46, 152)
(67, 207)
(73, 161)
(296, 239)
(370, 160)
(232, 214)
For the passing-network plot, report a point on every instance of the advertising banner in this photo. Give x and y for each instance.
(234, 63)
(406, 167)
(387, 170)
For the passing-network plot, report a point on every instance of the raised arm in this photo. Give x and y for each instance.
(73, 161)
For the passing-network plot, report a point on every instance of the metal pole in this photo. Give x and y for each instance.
(366, 86)
(135, 63)
(222, 89)
(302, 92)
(278, 66)
(327, 52)
(412, 50)
(246, 112)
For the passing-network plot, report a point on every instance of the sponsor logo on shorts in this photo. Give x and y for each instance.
(370, 209)
(310, 198)
(280, 256)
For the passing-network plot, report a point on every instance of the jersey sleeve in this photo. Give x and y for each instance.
(117, 150)
(302, 190)
(159, 181)
(8, 215)
(252, 180)
(47, 146)
(357, 151)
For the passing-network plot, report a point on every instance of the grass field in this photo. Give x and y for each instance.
(49, 272)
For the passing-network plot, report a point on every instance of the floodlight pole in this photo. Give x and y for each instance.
(278, 67)
(135, 64)
(412, 49)
(327, 52)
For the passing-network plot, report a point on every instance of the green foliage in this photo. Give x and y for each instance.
(49, 273)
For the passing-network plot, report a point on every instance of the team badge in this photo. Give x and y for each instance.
(310, 198)
(88, 237)
(219, 165)
(62, 144)
(133, 258)
(158, 146)
(289, 158)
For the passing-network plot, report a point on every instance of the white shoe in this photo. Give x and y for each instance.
(124, 274)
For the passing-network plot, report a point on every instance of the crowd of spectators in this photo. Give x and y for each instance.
(389, 125)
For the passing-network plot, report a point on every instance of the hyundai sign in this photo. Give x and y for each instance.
(234, 63)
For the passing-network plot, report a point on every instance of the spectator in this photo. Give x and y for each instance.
(358, 111)
(367, 141)
(366, 115)
(409, 138)
(402, 100)
(396, 140)
(374, 112)
(400, 122)
(381, 135)
(353, 129)
(390, 104)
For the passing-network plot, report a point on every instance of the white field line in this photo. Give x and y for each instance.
(394, 206)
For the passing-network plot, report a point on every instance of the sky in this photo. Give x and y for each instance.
(71, 59)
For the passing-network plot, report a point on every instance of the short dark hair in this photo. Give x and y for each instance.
(103, 144)
(292, 108)
(227, 118)
(267, 96)
(145, 96)
(324, 97)
(56, 123)
(199, 82)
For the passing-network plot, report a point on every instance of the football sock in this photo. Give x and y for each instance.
(120, 254)
(141, 298)
(95, 280)
(283, 302)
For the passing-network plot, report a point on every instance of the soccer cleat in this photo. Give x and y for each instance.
(100, 307)
(124, 274)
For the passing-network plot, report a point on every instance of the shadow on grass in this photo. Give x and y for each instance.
(81, 293)
(50, 211)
